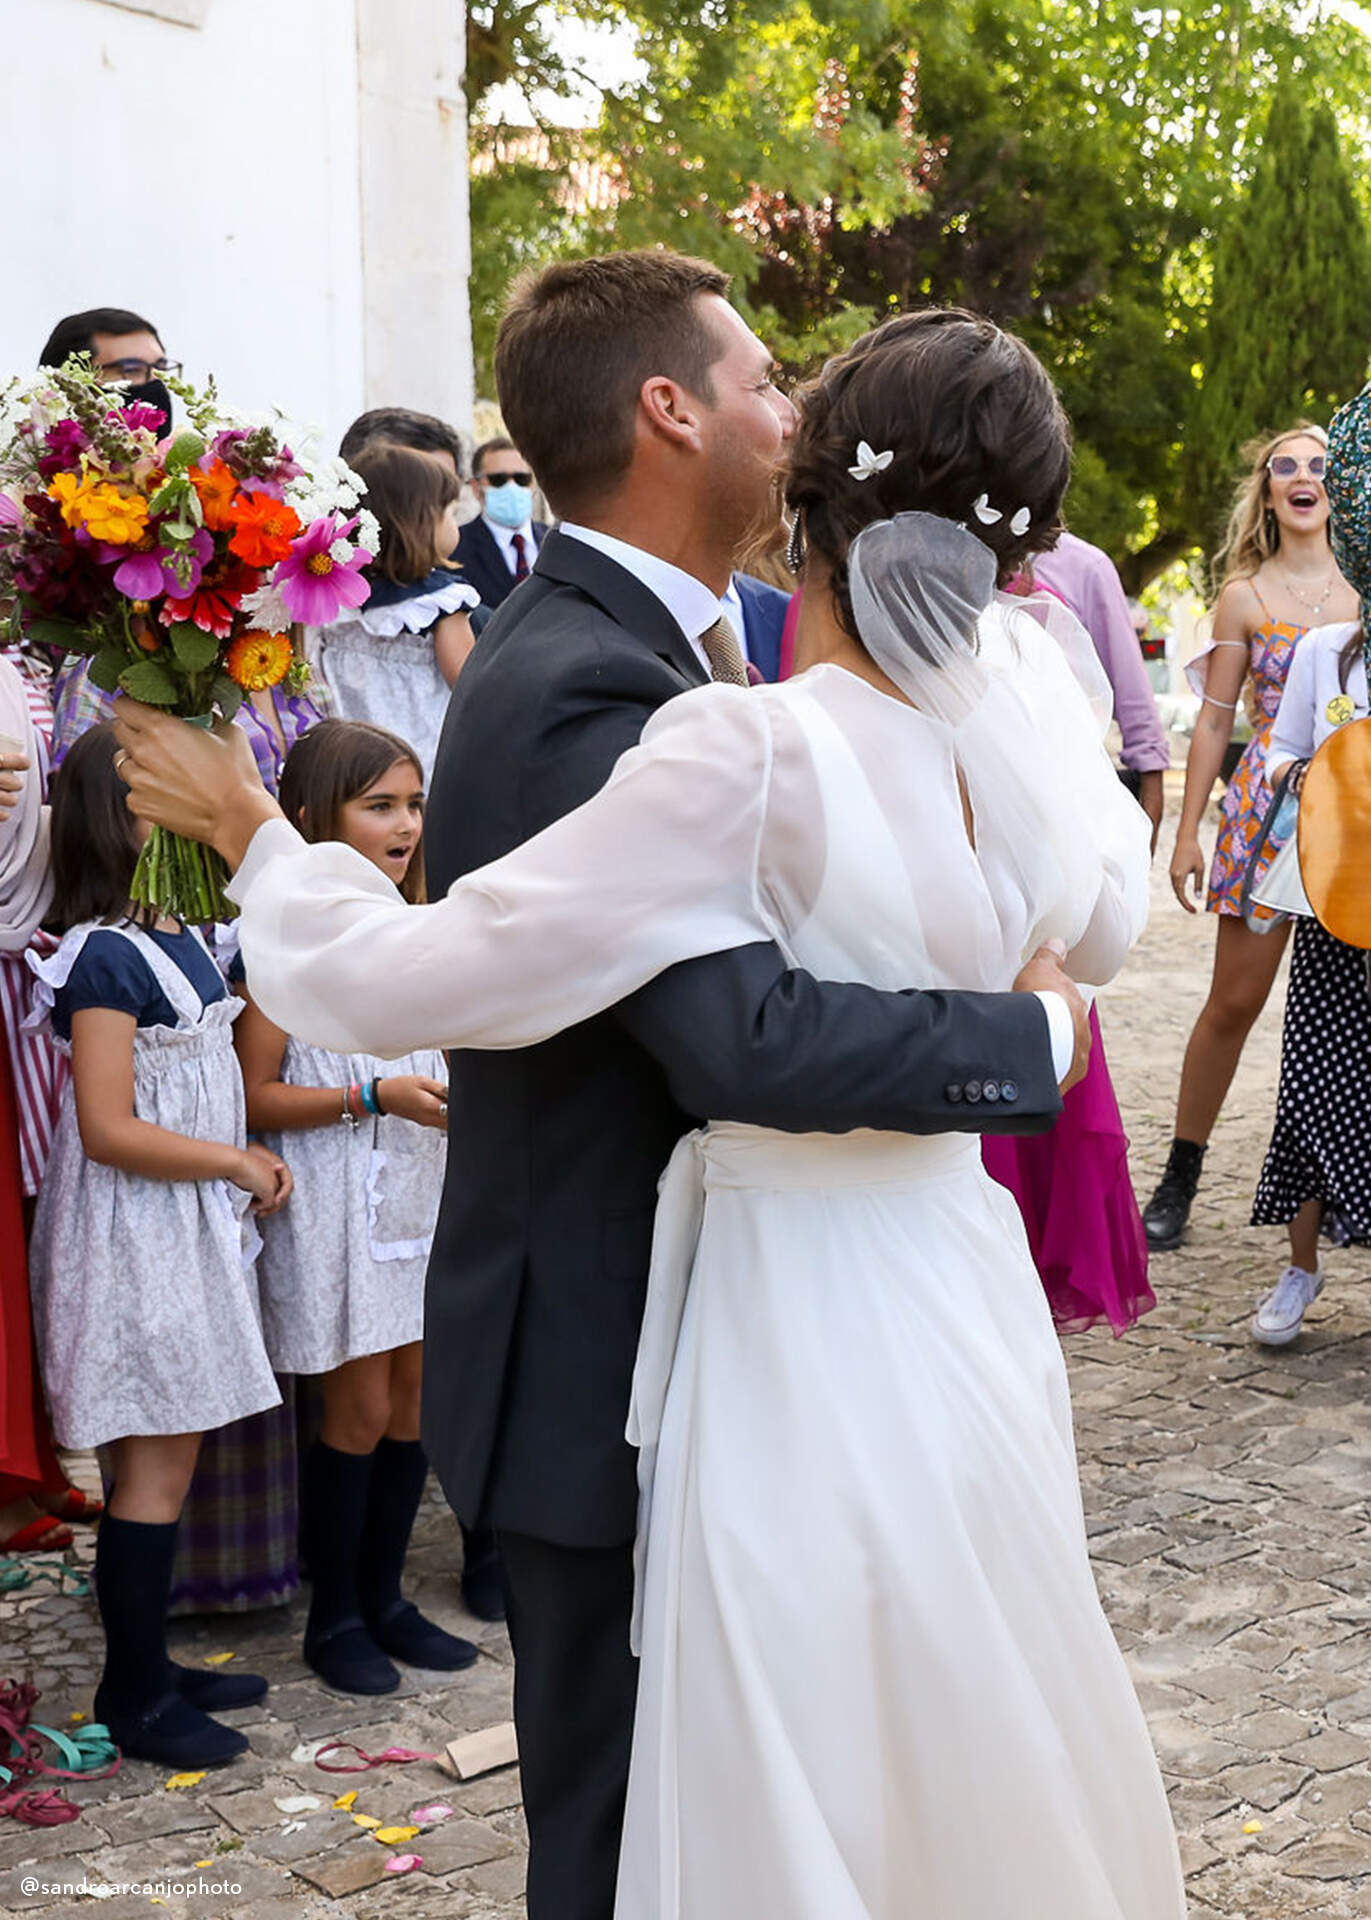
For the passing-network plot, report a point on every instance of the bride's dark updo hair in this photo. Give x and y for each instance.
(966, 409)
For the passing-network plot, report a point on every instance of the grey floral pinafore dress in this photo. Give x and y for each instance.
(342, 1267)
(145, 1301)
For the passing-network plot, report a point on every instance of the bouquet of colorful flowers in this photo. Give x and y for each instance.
(178, 562)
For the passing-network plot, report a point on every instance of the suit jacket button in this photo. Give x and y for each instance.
(990, 1090)
(1009, 1089)
(952, 1093)
(972, 1092)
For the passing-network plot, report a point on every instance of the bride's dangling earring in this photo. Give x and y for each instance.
(795, 544)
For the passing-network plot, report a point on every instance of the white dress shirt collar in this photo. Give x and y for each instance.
(689, 601)
(504, 539)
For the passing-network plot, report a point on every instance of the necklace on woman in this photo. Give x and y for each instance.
(1314, 606)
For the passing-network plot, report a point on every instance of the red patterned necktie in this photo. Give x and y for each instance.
(520, 546)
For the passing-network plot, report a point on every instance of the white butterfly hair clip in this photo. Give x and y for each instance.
(869, 462)
(988, 515)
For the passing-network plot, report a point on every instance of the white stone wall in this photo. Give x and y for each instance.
(279, 185)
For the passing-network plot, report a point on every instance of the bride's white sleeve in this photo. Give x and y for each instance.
(660, 866)
(1103, 815)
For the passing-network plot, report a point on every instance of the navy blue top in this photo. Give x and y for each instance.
(390, 593)
(110, 972)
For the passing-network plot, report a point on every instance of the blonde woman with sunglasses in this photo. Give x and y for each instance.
(1278, 579)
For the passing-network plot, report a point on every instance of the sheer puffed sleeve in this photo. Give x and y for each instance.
(1089, 801)
(660, 866)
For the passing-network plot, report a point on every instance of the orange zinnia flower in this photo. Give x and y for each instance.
(259, 660)
(216, 487)
(263, 529)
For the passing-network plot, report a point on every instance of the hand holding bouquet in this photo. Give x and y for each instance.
(179, 563)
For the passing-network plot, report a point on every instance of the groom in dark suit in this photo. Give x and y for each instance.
(647, 409)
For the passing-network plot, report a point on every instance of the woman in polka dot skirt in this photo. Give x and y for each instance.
(1317, 1175)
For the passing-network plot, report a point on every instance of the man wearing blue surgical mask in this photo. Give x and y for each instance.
(497, 549)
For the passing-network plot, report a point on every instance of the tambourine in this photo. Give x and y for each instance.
(1335, 833)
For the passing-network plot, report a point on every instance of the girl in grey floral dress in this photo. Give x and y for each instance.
(394, 661)
(144, 1295)
(342, 1270)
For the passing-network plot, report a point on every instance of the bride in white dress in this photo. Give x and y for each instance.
(876, 1680)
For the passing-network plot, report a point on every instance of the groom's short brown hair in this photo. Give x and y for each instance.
(576, 343)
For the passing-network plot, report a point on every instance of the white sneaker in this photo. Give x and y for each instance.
(1280, 1316)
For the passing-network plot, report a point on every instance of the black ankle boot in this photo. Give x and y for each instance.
(1167, 1213)
(399, 1629)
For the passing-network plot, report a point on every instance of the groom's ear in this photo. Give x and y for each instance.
(670, 411)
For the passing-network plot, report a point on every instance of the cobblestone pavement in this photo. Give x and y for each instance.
(1225, 1488)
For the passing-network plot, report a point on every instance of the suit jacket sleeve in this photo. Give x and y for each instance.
(743, 1037)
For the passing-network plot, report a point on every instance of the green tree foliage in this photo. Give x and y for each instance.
(1289, 343)
(1064, 165)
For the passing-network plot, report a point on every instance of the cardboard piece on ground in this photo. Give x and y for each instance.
(483, 1752)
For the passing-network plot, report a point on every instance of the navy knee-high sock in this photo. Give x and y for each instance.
(133, 1562)
(333, 1510)
(399, 1469)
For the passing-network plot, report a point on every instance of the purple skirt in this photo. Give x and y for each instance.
(1078, 1206)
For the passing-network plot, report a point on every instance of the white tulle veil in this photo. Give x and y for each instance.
(1020, 687)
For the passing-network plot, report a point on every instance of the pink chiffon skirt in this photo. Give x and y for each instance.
(1078, 1206)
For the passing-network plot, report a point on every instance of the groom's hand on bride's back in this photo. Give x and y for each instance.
(1044, 973)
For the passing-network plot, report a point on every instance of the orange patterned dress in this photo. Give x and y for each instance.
(1244, 804)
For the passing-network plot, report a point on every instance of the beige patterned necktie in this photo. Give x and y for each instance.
(723, 653)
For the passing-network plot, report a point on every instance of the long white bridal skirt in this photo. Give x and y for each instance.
(876, 1682)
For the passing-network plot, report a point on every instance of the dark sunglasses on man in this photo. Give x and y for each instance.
(1284, 466)
(524, 478)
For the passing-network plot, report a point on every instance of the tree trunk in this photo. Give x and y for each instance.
(1136, 569)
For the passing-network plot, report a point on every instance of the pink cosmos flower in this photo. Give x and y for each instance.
(143, 576)
(313, 585)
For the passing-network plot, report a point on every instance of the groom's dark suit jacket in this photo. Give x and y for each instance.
(536, 1283)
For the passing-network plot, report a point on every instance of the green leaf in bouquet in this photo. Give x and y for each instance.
(107, 668)
(194, 648)
(227, 695)
(174, 492)
(56, 633)
(186, 447)
(149, 681)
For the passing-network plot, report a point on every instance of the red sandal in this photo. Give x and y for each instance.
(43, 1535)
(69, 1503)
